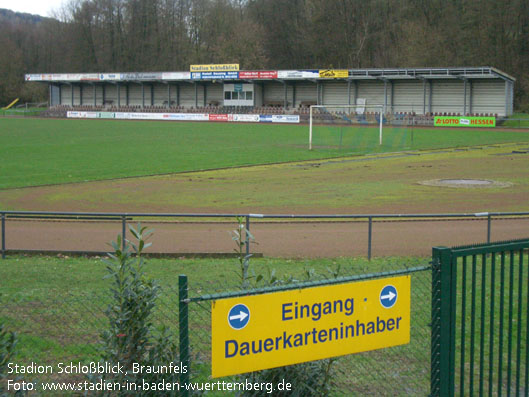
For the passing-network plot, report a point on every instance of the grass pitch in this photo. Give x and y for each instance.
(42, 151)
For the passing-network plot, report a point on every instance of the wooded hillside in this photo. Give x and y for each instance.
(156, 35)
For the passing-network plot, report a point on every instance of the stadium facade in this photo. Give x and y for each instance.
(421, 91)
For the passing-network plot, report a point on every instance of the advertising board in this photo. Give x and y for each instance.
(460, 121)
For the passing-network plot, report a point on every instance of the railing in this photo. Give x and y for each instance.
(125, 217)
(479, 320)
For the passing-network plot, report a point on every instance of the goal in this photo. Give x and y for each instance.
(344, 126)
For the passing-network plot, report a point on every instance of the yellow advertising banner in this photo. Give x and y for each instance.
(229, 67)
(334, 73)
(264, 331)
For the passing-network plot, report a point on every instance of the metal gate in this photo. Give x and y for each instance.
(480, 312)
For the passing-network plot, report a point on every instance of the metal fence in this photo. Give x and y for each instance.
(469, 322)
(60, 318)
(401, 370)
(480, 320)
(278, 235)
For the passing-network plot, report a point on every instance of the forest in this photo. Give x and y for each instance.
(169, 35)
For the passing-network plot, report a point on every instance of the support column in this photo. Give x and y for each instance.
(285, 99)
(293, 94)
(152, 94)
(424, 97)
(465, 97)
(349, 92)
(118, 90)
(470, 99)
(177, 94)
(392, 96)
(205, 94)
(355, 92)
(168, 95)
(81, 94)
(127, 96)
(71, 89)
(142, 95)
(385, 96)
(95, 94)
(506, 97)
(196, 95)
(430, 95)
(60, 94)
(104, 94)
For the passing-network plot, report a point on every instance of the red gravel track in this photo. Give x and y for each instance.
(275, 239)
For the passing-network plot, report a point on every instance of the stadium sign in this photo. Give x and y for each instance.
(109, 76)
(460, 121)
(334, 74)
(251, 333)
(215, 76)
(214, 68)
(89, 77)
(33, 77)
(261, 74)
(141, 76)
(298, 74)
(176, 76)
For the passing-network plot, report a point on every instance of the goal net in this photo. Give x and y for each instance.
(357, 129)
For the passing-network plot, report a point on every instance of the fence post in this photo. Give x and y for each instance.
(123, 231)
(369, 237)
(443, 323)
(488, 227)
(247, 236)
(183, 332)
(3, 236)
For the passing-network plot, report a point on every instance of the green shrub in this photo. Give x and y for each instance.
(131, 337)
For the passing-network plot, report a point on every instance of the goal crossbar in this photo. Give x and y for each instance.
(378, 109)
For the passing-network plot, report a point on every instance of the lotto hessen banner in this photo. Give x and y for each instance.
(334, 74)
(229, 67)
(460, 121)
(264, 331)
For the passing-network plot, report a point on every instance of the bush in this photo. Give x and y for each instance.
(131, 337)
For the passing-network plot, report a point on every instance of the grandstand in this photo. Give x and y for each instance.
(415, 94)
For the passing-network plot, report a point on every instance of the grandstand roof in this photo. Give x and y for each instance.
(280, 75)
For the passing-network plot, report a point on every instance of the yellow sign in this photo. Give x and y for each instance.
(334, 74)
(214, 68)
(257, 332)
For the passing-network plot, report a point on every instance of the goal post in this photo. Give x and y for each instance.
(345, 115)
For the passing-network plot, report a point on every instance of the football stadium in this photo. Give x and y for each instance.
(300, 222)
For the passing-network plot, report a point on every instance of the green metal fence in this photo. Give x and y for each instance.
(480, 312)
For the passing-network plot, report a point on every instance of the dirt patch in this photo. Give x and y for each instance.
(466, 183)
